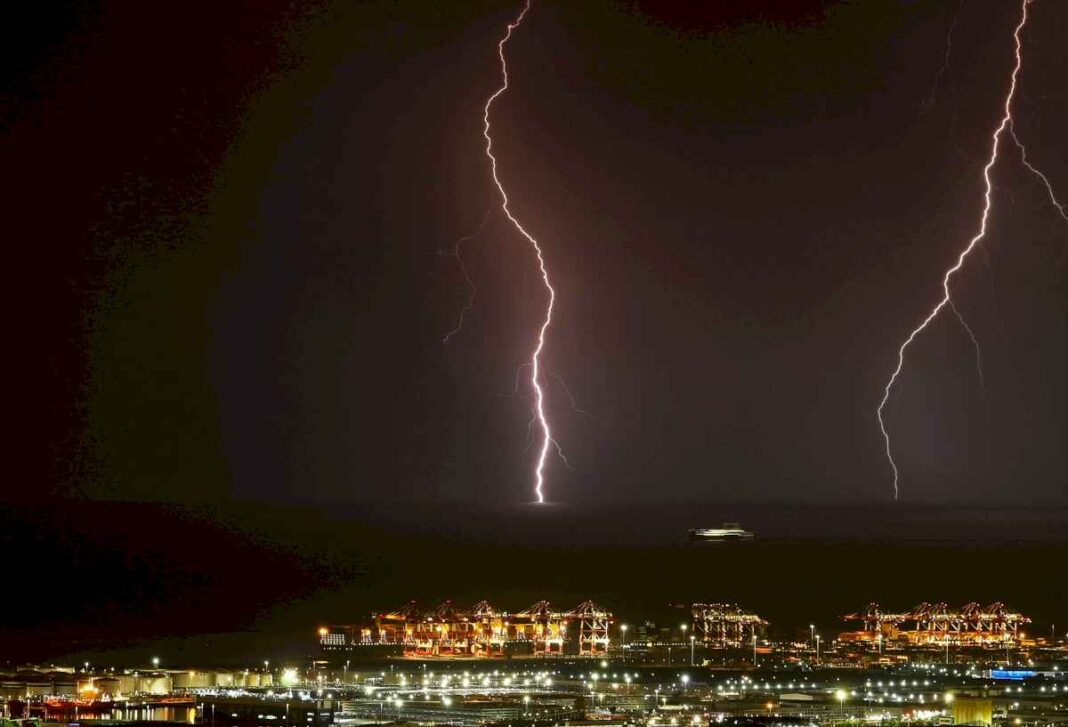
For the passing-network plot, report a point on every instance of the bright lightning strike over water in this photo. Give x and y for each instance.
(563, 385)
(535, 370)
(1006, 124)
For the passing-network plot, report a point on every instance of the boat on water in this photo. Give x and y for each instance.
(730, 532)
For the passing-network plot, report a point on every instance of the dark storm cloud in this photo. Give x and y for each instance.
(743, 212)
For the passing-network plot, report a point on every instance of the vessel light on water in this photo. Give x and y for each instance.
(729, 532)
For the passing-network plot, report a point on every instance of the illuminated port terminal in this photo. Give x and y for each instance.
(563, 691)
(542, 666)
(711, 634)
(480, 631)
(938, 625)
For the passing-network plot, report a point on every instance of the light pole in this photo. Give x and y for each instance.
(155, 662)
(623, 630)
(841, 695)
(692, 639)
(817, 648)
(683, 627)
(754, 650)
(811, 635)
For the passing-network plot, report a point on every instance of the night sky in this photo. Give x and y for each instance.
(227, 223)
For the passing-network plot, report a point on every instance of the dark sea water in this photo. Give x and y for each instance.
(234, 583)
(666, 524)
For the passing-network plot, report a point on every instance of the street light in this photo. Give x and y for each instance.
(155, 662)
(623, 630)
(841, 695)
(754, 649)
(817, 648)
(692, 639)
(811, 634)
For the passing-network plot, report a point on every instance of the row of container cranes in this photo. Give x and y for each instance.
(481, 631)
(541, 630)
(725, 625)
(940, 625)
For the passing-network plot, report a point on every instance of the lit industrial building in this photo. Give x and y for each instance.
(30, 684)
(939, 625)
(725, 625)
(480, 631)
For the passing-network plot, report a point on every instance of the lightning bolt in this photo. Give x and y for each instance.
(533, 420)
(1045, 180)
(1006, 124)
(945, 69)
(535, 359)
(563, 385)
(975, 344)
(471, 289)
